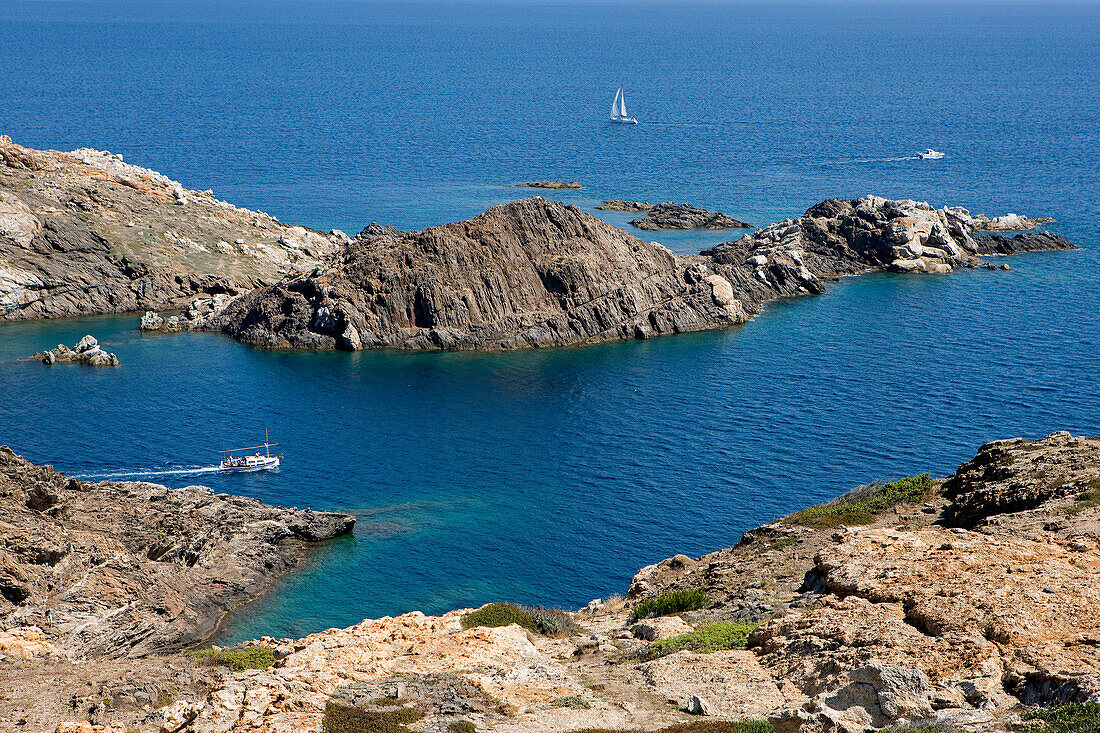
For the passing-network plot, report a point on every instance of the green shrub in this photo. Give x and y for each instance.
(462, 726)
(552, 622)
(347, 719)
(238, 660)
(861, 505)
(715, 637)
(1077, 717)
(666, 604)
(576, 702)
(499, 614)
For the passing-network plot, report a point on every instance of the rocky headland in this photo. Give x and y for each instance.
(536, 273)
(85, 233)
(669, 215)
(958, 604)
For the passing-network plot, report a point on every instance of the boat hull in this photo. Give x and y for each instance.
(263, 463)
(626, 121)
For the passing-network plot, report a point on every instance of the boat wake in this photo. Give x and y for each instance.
(192, 471)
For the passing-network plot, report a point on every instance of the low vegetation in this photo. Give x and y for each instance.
(545, 621)
(347, 719)
(862, 505)
(666, 604)
(238, 660)
(1087, 499)
(716, 637)
(576, 702)
(462, 726)
(701, 726)
(1078, 717)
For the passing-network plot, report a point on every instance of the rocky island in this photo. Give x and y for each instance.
(669, 215)
(962, 603)
(551, 185)
(537, 273)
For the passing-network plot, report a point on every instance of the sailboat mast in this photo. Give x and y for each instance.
(267, 447)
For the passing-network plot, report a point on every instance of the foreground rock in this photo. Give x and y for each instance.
(127, 569)
(535, 273)
(87, 351)
(552, 184)
(84, 232)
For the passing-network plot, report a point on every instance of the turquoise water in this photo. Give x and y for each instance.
(551, 476)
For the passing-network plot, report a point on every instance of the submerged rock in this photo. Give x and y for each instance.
(668, 215)
(551, 184)
(87, 351)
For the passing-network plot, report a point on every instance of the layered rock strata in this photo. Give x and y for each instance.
(127, 569)
(84, 232)
(536, 273)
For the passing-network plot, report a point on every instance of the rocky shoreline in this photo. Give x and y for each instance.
(669, 215)
(536, 273)
(958, 603)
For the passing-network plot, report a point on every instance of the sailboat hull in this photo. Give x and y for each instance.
(625, 121)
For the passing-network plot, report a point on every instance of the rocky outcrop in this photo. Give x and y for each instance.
(669, 215)
(536, 273)
(87, 351)
(84, 232)
(128, 569)
(552, 184)
(1008, 222)
(530, 273)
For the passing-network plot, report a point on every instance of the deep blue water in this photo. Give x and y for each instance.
(551, 476)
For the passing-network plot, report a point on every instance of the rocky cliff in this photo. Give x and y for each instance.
(537, 273)
(128, 569)
(84, 232)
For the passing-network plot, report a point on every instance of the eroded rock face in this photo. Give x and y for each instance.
(529, 273)
(87, 351)
(84, 232)
(131, 568)
(535, 273)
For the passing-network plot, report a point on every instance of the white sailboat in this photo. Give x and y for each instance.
(618, 109)
(256, 462)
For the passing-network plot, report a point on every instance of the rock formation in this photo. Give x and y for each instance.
(84, 232)
(551, 184)
(129, 569)
(537, 273)
(87, 351)
(669, 215)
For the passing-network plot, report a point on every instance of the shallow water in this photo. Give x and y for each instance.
(552, 476)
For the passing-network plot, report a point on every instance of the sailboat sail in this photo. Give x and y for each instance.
(622, 104)
(615, 104)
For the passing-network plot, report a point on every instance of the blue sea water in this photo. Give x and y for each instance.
(551, 476)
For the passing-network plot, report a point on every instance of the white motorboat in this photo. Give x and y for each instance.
(618, 110)
(930, 154)
(255, 462)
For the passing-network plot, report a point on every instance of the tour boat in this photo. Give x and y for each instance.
(618, 109)
(256, 462)
(930, 154)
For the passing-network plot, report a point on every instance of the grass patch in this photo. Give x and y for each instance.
(575, 702)
(499, 614)
(862, 505)
(347, 719)
(715, 637)
(545, 621)
(1077, 717)
(462, 726)
(666, 604)
(238, 660)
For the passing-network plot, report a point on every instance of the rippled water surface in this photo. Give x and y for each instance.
(551, 476)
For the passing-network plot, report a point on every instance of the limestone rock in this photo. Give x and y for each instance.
(87, 351)
(662, 627)
(732, 683)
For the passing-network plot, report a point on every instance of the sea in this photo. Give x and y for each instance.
(550, 477)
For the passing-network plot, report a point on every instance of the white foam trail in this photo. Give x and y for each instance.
(149, 474)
